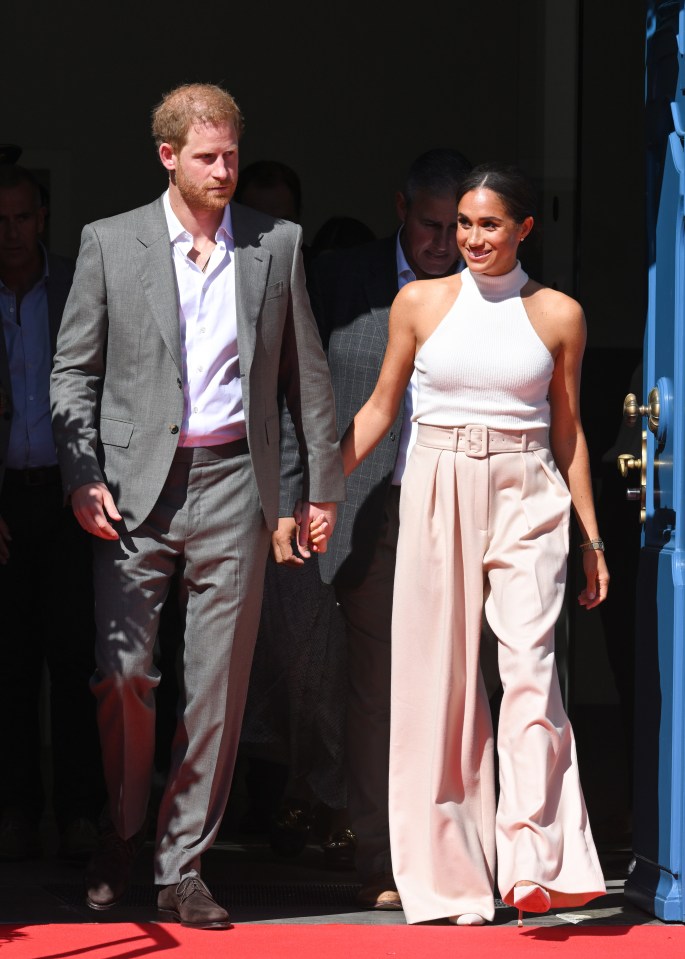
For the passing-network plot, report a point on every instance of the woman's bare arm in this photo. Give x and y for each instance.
(378, 414)
(569, 446)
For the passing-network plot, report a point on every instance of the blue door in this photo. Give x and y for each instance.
(656, 883)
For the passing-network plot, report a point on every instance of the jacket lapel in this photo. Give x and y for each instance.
(156, 271)
(5, 389)
(381, 285)
(251, 273)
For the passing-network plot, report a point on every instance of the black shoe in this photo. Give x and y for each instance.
(19, 837)
(290, 830)
(339, 849)
(78, 840)
(109, 871)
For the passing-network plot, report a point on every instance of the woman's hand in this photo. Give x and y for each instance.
(319, 534)
(597, 579)
(316, 522)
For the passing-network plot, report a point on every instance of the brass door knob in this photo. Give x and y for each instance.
(632, 409)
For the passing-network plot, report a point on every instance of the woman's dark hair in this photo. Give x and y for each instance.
(510, 184)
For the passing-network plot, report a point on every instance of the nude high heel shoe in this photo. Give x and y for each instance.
(530, 897)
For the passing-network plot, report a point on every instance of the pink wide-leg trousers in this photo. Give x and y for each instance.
(484, 520)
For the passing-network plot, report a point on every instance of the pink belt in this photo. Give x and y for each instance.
(479, 441)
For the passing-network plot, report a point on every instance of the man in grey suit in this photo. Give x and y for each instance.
(351, 293)
(187, 323)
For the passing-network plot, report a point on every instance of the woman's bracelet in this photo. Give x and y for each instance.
(597, 544)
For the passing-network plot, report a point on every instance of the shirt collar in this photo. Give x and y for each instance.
(405, 274)
(178, 232)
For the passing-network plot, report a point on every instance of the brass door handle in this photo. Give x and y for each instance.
(627, 462)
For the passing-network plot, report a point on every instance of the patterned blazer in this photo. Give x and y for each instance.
(351, 293)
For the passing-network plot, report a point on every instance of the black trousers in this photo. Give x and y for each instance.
(46, 617)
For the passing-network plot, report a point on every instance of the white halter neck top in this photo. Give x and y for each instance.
(484, 363)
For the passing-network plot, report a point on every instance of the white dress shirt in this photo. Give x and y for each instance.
(212, 393)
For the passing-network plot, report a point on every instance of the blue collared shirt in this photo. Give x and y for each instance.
(30, 361)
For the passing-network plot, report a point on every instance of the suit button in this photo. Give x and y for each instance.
(179, 384)
(173, 428)
(392, 437)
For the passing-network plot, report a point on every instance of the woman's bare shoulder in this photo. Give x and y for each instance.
(552, 303)
(428, 294)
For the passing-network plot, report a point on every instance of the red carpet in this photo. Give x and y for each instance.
(131, 941)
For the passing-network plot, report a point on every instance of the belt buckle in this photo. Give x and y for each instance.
(39, 475)
(476, 441)
(34, 477)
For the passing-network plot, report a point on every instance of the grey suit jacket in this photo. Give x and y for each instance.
(351, 293)
(60, 275)
(117, 391)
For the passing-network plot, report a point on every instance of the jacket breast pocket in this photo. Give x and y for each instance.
(115, 432)
(274, 290)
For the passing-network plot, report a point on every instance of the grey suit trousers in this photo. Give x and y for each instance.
(208, 522)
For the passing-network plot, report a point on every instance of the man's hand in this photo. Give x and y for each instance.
(93, 507)
(316, 522)
(5, 539)
(282, 543)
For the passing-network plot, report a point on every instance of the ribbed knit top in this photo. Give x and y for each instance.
(485, 363)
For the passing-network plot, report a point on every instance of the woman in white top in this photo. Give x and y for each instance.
(500, 458)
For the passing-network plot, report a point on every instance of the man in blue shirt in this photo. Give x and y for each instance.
(351, 293)
(45, 568)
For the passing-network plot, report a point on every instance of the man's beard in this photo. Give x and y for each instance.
(200, 197)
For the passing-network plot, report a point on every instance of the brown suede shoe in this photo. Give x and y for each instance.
(191, 904)
(379, 893)
(108, 873)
